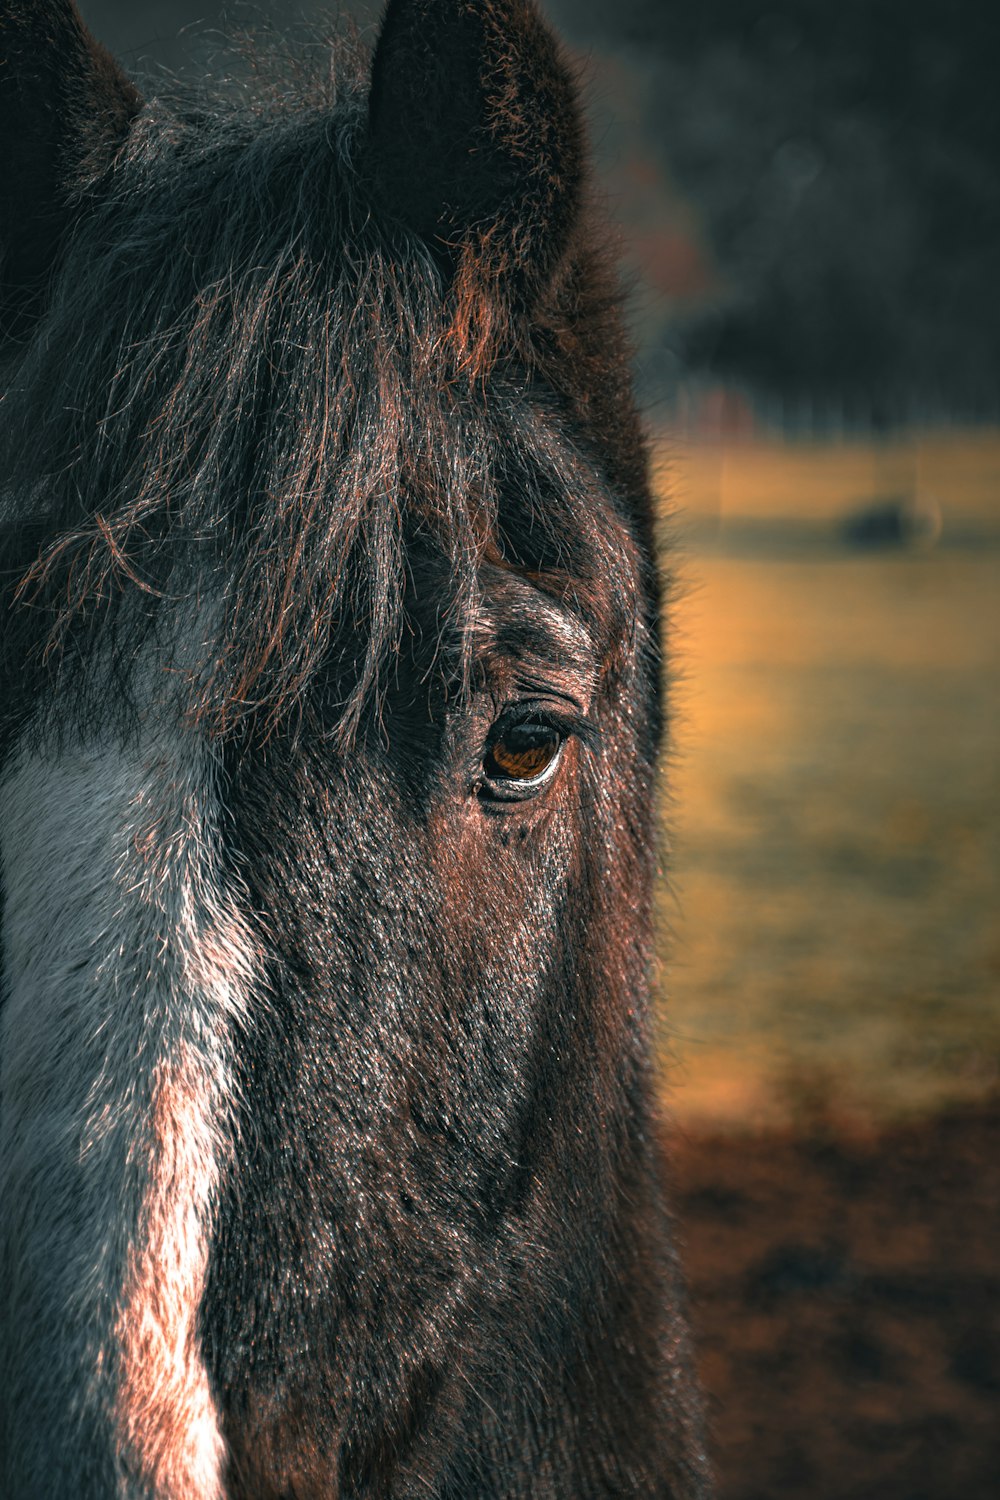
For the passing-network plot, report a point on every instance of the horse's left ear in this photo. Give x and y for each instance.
(63, 102)
(475, 139)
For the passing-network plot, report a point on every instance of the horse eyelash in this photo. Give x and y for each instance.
(567, 722)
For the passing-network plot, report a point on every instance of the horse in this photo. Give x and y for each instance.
(330, 711)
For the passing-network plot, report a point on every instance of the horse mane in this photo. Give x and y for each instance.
(247, 386)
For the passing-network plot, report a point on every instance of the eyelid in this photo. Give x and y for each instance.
(564, 716)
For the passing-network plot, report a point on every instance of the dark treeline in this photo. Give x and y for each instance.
(841, 164)
(845, 159)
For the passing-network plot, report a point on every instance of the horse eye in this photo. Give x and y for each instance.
(525, 754)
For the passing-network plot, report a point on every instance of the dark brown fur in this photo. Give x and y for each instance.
(350, 362)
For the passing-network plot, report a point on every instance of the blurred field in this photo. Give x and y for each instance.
(836, 852)
(769, 478)
(846, 1307)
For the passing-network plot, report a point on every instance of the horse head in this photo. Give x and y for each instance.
(332, 704)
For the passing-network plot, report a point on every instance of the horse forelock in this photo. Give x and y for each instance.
(246, 388)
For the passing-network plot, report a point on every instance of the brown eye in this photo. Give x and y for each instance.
(523, 753)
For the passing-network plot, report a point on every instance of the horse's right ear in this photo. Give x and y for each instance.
(475, 140)
(63, 101)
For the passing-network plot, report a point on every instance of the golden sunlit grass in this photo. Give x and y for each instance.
(805, 481)
(837, 799)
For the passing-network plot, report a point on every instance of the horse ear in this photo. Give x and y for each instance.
(475, 137)
(64, 102)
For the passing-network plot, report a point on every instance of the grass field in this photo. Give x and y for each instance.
(802, 480)
(835, 901)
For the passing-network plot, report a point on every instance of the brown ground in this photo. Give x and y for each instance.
(847, 1307)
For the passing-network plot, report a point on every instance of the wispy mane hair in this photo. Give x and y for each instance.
(242, 387)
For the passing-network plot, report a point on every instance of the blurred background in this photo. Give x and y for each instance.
(809, 201)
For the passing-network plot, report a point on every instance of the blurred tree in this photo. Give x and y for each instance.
(846, 159)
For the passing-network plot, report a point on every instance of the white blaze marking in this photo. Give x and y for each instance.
(126, 965)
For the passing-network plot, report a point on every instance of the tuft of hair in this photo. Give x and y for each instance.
(244, 391)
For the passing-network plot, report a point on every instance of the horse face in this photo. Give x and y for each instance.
(331, 685)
